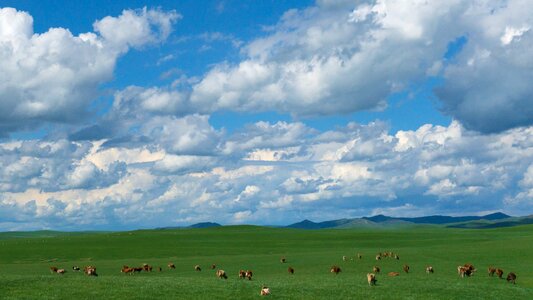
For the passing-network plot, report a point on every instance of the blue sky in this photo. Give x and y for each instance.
(262, 112)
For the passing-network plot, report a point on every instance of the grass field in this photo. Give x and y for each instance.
(25, 259)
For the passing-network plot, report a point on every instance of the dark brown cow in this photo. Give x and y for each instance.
(197, 268)
(147, 268)
(376, 269)
(213, 266)
(53, 270)
(491, 271)
(406, 268)
(138, 270)
(290, 270)
(221, 274)
(249, 274)
(499, 273)
(371, 278)
(242, 274)
(335, 269)
(511, 277)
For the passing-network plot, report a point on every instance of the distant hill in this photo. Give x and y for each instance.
(205, 225)
(382, 221)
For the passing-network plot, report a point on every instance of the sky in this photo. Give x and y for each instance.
(118, 115)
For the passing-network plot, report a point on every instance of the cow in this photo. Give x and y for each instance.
(378, 257)
(499, 273)
(283, 260)
(376, 269)
(429, 269)
(53, 270)
(491, 271)
(392, 274)
(197, 268)
(265, 291)
(126, 269)
(470, 267)
(221, 274)
(359, 256)
(397, 257)
(160, 269)
(371, 278)
(147, 268)
(90, 271)
(242, 274)
(406, 268)
(335, 269)
(138, 270)
(248, 274)
(75, 268)
(464, 271)
(213, 266)
(61, 271)
(511, 278)
(171, 265)
(290, 270)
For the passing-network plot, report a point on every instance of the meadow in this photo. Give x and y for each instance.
(25, 259)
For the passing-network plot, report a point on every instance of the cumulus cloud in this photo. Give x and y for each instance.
(54, 76)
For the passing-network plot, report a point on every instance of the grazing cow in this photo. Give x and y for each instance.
(491, 271)
(221, 274)
(197, 268)
(126, 269)
(376, 269)
(397, 257)
(406, 268)
(160, 269)
(283, 260)
(335, 269)
(392, 274)
(138, 270)
(265, 291)
(499, 273)
(344, 258)
(371, 278)
(378, 257)
(464, 271)
(359, 256)
(75, 268)
(429, 269)
(213, 266)
(147, 268)
(511, 277)
(90, 271)
(290, 270)
(248, 274)
(171, 265)
(61, 271)
(470, 267)
(53, 270)
(242, 274)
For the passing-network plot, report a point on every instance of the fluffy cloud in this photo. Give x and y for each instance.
(54, 76)
(357, 170)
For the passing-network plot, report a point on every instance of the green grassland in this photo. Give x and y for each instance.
(25, 259)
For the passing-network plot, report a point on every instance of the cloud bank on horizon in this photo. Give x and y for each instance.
(152, 157)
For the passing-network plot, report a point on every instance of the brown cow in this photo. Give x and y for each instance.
(213, 266)
(335, 269)
(197, 268)
(464, 271)
(90, 270)
(171, 265)
(376, 269)
(499, 273)
(371, 278)
(126, 269)
(378, 257)
(397, 257)
(406, 268)
(283, 260)
(53, 270)
(290, 270)
(511, 277)
(491, 271)
(147, 268)
(392, 274)
(429, 269)
(138, 270)
(248, 274)
(221, 274)
(242, 274)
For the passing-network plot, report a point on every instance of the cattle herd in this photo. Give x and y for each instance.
(463, 271)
